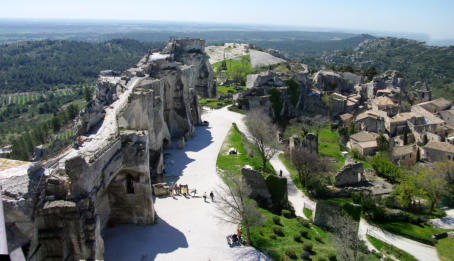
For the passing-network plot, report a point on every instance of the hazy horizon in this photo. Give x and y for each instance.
(394, 17)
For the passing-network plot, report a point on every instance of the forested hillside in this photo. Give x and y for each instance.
(47, 65)
(415, 60)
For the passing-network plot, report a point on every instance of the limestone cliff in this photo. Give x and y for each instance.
(108, 180)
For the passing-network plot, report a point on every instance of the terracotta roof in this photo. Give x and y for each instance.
(366, 114)
(346, 116)
(441, 146)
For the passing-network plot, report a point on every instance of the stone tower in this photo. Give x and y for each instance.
(424, 94)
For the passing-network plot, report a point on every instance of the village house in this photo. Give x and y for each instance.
(438, 151)
(365, 142)
(384, 103)
(405, 155)
(370, 121)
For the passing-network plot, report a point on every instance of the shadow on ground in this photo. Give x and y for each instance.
(132, 242)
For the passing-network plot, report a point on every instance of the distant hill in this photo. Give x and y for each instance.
(417, 61)
(44, 65)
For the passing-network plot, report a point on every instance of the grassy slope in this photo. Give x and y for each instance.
(390, 250)
(445, 249)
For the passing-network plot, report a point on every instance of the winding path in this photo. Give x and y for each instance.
(187, 228)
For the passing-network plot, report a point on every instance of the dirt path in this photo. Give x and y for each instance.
(187, 228)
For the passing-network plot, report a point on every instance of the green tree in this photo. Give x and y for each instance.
(370, 72)
(382, 143)
(433, 184)
(407, 191)
(88, 93)
(72, 111)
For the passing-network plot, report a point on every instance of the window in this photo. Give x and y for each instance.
(129, 184)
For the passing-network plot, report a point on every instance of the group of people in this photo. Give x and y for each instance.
(211, 196)
(181, 189)
(78, 142)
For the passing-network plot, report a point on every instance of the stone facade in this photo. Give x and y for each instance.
(257, 186)
(350, 174)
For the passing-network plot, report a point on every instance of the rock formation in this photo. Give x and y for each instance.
(134, 116)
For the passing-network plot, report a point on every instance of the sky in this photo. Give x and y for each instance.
(431, 17)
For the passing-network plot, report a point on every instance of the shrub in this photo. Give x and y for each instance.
(286, 213)
(290, 252)
(273, 237)
(321, 259)
(277, 220)
(297, 238)
(306, 255)
(278, 231)
(319, 239)
(332, 257)
(304, 222)
(304, 233)
(308, 247)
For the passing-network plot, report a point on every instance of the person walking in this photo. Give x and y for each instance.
(280, 173)
(212, 196)
(205, 197)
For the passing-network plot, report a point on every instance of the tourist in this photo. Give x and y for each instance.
(280, 173)
(205, 197)
(212, 196)
(239, 233)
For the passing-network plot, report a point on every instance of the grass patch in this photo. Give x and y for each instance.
(230, 90)
(291, 241)
(445, 249)
(308, 213)
(422, 232)
(390, 250)
(230, 165)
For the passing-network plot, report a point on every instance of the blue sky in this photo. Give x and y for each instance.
(432, 17)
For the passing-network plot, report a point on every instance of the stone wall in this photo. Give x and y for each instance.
(350, 174)
(258, 189)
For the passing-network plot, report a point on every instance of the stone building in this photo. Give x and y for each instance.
(424, 94)
(384, 103)
(405, 155)
(438, 151)
(371, 121)
(257, 186)
(350, 174)
(365, 142)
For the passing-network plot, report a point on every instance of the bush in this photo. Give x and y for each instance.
(287, 213)
(278, 231)
(273, 237)
(319, 239)
(277, 220)
(304, 222)
(297, 238)
(304, 233)
(290, 252)
(306, 255)
(332, 257)
(321, 259)
(308, 247)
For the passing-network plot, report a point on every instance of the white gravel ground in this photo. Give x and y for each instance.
(187, 228)
(259, 59)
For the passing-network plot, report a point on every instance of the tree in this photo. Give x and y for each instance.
(308, 165)
(72, 111)
(346, 237)
(433, 184)
(407, 191)
(263, 134)
(370, 72)
(383, 143)
(88, 93)
(235, 207)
